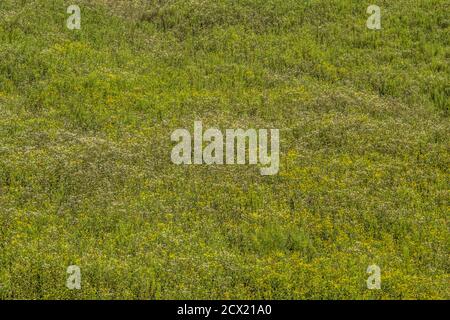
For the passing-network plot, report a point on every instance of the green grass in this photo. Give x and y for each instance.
(85, 171)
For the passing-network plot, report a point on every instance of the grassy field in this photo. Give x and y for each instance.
(85, 171)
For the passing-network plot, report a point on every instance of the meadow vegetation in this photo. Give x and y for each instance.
(85, 171)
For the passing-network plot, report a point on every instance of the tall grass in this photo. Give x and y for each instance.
(85, 170)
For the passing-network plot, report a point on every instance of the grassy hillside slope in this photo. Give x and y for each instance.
(85, 171)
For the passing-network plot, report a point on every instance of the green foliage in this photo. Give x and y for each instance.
(85, 170)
